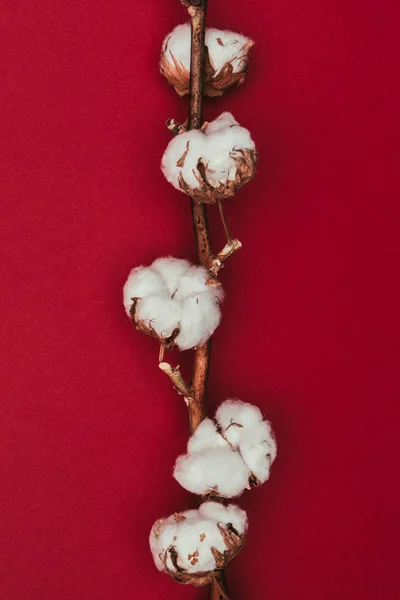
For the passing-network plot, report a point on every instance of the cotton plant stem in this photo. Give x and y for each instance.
(197, 11)
(197, 411)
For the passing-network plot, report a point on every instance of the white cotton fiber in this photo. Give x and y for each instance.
(219, 470)
(177, 44)
(171, 270)
(228, 47)
(226, 514)
(206, 437)
(201, 315)
(242, 424)
(237, 420)
(161, 312)
(219, 147)
(258, 458)
(192, 534)
(142, 282)
(172, 296)
(186, 148)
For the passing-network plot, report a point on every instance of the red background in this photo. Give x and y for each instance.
(89, 427)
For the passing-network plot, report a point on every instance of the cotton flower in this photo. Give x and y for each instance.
(227, 456)
(211, 163)
(191, 545)
(226, 59)
(243, 426)
(174, 301)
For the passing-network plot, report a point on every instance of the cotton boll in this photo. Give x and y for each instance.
(206, 437)
(210, 164)
(226, 57)
(219, 470)
(184, 544)
(173, 301)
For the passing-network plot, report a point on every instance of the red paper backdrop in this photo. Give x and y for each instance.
(89, 427)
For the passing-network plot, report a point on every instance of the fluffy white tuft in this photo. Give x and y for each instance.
(192, 534)
(242, 424)
(173, 294)
(221, 471)
(206, 437)
(218, 146)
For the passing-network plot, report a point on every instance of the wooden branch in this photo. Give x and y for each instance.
(197, 11)
(197, 410)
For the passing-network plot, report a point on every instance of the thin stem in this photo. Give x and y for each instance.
(197, 408)
(197, 11)
(161, 353)
(224, 223)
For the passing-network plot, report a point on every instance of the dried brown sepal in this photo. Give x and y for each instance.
(246, 161)
(253, 481)
(176, 128)
(198, 579)
(146, 328)
(181, 161)
(176, 73)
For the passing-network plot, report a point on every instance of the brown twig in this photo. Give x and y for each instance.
(175, 375)
(217, 262)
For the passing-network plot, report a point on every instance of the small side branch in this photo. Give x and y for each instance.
(216, 263)
(179, 383)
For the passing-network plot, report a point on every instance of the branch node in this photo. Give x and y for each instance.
(174, 373)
